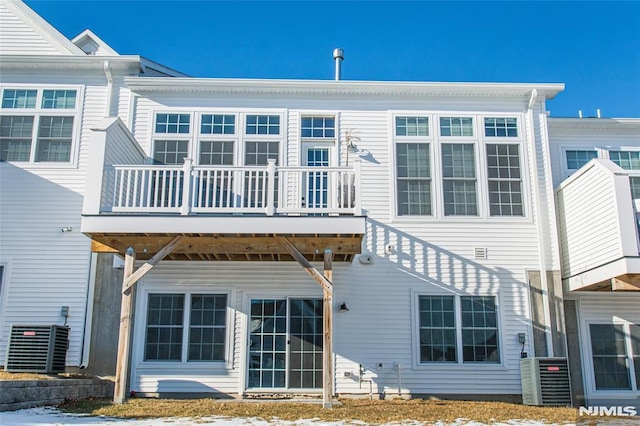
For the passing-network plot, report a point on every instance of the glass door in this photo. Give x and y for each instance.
(317, 183)
(285, 344)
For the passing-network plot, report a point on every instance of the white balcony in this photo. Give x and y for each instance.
(598, 228)
(223, 212)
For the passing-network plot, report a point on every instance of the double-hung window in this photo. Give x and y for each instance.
(505, 180)
(629, 160)
(37, 125)
(615, 349)
(186, 327)
(413, 165)
(171, 145)
(459, 179)
(262, 138)
(217, 138)
(458, 329)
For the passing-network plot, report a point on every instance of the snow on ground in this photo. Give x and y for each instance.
(49, 416)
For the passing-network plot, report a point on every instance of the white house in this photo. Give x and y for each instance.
(598, 205)
(351, 237)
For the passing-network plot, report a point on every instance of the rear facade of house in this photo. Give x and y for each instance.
(433, 201)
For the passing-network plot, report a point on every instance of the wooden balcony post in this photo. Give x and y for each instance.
(357, 184)
(124, 340)
(327, 324)
(271, 187)
(187, 168)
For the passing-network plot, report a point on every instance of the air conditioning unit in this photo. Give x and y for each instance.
(37, 349)
(545, 381)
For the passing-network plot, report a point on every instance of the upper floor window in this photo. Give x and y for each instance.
(262, 125)
(58, 99)
(218, 124)
(412, 126)
(505, 180)
(456, 126)
(172, 123)
(318, 127)
(459, 180)
(628, 160)
(414, 178)
(12, 98)
(501, 127)
(578, 158)
(170, 151)
(40, 134)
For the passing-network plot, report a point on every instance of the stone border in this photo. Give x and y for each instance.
(19, 394)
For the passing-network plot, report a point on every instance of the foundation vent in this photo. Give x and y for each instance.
(480, 253)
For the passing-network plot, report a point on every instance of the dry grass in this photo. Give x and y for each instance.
(349, 410)
(5, 375)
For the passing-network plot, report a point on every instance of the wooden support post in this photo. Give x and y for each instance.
(124, 339)
(327, 324)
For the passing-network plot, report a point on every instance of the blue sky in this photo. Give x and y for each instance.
(592, 47)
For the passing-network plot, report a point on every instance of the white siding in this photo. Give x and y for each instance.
(593, 238)
(18, 37)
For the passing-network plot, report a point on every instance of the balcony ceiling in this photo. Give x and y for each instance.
(230, 247)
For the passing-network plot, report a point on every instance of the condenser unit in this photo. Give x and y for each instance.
(37, 349)
(545, 381)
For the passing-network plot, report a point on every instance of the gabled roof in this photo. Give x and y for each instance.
(22, 31)
(91, 44)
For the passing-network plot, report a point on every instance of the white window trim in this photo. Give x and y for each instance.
(183, 364)
(587, 361)
(458, 364)
(38, 111)
(482, 185)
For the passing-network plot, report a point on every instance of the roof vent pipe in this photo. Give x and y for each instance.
(598, 113)
(338, 56)
(580, 113)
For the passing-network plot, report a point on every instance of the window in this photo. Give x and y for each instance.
(442, 338)
(459, 180)
(609, 356)
(578, 158)
(456, 126)
(205, 338)
(42, 133)
(218, 124)
(170, 151)
(505, 181)
(634, 332)
(479, 329)
(412, 126)
(318, 127)
(216, 153)
(437, 328)
(19, 98)
(501, 127)
(59, 99)
(414, 178)
(263, 125)
(628, 160)
(172, 123)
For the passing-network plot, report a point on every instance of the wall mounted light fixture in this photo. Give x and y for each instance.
(343, 307)
(66, 229)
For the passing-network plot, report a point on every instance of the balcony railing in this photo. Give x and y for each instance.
(269, 190)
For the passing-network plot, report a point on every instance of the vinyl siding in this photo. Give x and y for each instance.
(17, 37)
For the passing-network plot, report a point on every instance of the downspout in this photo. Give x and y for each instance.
(539, 225)
(109, 77)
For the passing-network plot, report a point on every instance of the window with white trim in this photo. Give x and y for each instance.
(186, 327)
(459, 179)
(501, 127)
(577, 158)
(413, 166)
(609, 356)
(318, 127)
(262, 124)
(37, 125)
(456, 126)
(505, 180)
(629, 160)
(443, 334)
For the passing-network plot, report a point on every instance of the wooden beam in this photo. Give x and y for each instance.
(98, 247)
(124, 338)
(327, 344)
(148, 265)
(317, 276)
(628, 282)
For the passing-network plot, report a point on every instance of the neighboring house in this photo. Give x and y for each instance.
(429, 206)
(598, 205)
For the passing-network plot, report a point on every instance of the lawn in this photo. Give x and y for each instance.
(347, 410)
